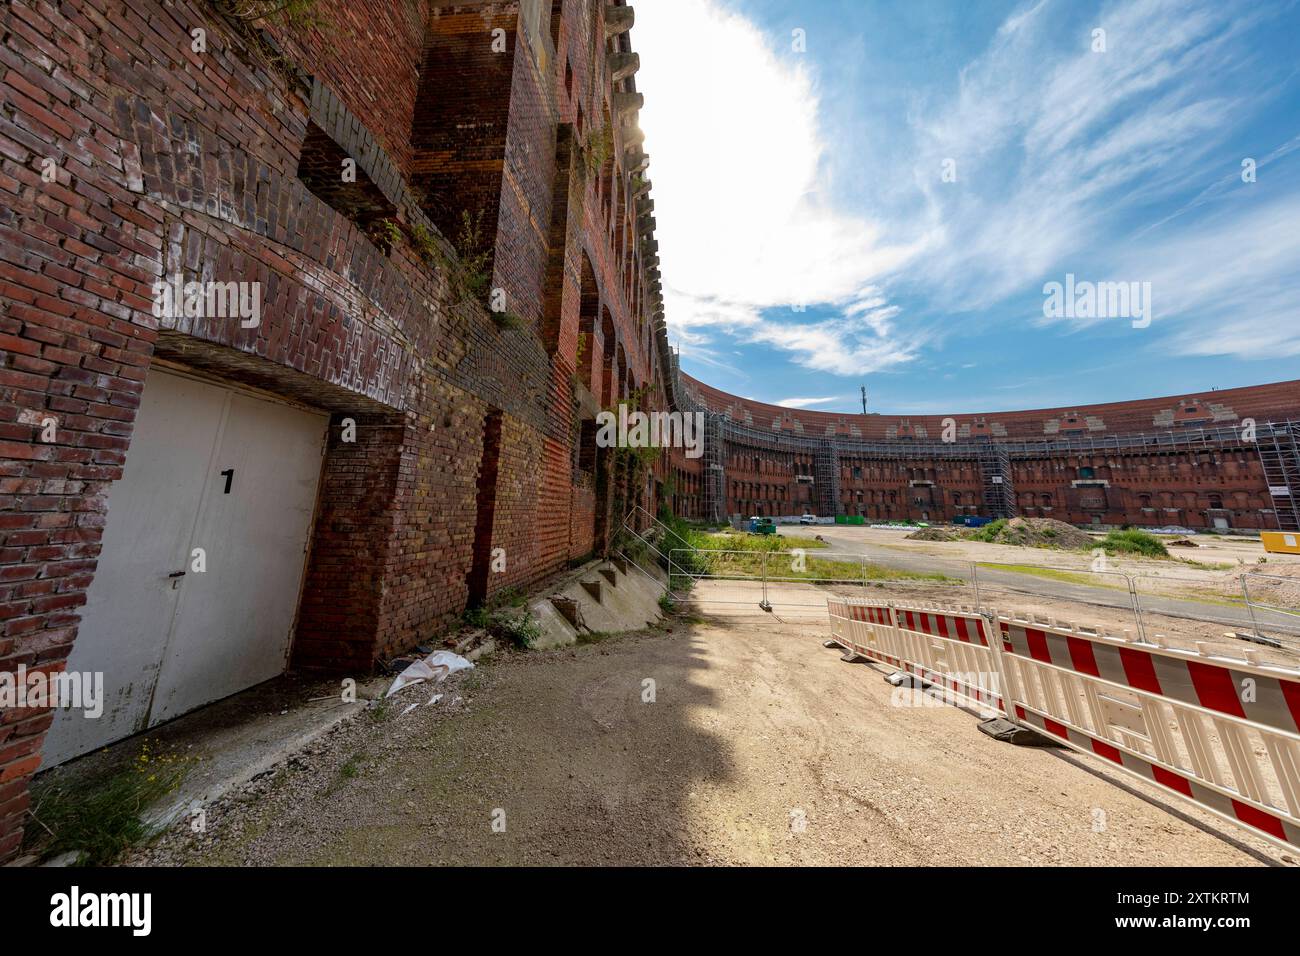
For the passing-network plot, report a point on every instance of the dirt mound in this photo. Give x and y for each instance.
(935, 534)
(1036, 533)
(1024, 532)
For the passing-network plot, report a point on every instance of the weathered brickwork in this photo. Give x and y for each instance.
(133, 148)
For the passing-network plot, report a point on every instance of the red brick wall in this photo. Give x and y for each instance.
(171, 160)
(77, 258)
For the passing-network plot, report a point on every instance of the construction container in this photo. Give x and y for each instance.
(1281, 542)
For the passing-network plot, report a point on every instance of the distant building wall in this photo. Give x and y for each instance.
(770, 469)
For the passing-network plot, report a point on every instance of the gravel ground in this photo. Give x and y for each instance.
(759, 747)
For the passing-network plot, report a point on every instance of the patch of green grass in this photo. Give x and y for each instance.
(506, 319)
(788, 567)
(1203, 597)
(732, 541)
(1133, 541)
(989, 532)
(879, 572)
(1109, 581)
(295, 13)
(1209, 565)
(1054, 574)
(102, 818)
(386, 234)
(509, 597)
(491, 617)
(349, 769)
(474, 255)
(681, 539)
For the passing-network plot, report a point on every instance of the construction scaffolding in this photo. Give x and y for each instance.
(1279, 454)
(999, 490)
(715, 470)
(826, 478)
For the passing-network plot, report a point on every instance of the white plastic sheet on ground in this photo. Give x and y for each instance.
(434, 668)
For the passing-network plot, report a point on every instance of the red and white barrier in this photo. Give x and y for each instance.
(1221, 732)
(944, 646)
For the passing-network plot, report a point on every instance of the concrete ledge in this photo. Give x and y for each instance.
(620, 597)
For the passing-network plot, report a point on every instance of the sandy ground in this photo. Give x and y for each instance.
(759, 747)
(1207, 574)
(1214, 589)
(1211, 549)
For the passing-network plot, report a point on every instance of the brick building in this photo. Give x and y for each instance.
(437, 216)
(305, 322)
(1221, 459)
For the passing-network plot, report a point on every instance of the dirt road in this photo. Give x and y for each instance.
(759, 746)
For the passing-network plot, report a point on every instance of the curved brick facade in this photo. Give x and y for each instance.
(1181, 460)
(1278, 401)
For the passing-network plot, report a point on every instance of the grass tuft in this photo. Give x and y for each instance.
(103, 818)
(1133, 541)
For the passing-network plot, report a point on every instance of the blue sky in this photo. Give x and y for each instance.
(809, 242)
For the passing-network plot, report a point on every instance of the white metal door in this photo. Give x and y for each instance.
(131, 600)
(235, 620)
(167, 642)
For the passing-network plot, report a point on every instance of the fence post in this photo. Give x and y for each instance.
(1137, 608)
(1245, 594)
(765, 604)
(1006, 689)
(670, 572)
(975, 582)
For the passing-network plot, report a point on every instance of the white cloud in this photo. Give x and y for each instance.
(806, 402)
(743, 219)
(1054, 143)
(1062, 156)
(1228, 285)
